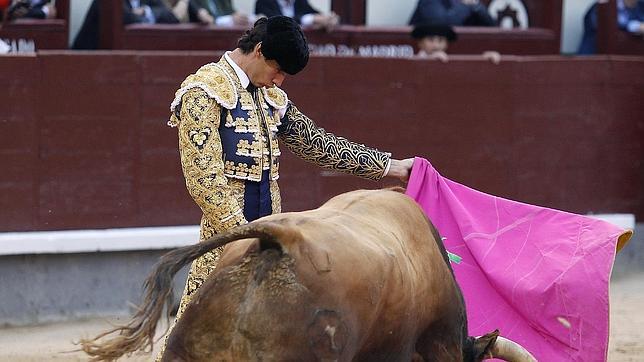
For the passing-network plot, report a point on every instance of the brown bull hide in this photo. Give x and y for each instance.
(364, 277)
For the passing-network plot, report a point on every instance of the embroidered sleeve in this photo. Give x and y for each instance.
(202, 161)
(328, 151)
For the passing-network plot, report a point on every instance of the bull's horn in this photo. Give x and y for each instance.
(508, 350)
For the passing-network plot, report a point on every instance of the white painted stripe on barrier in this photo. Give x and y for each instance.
(83, 241)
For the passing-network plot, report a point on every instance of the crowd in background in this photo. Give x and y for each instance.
(432, 19)
(223, 12)
(209, 12)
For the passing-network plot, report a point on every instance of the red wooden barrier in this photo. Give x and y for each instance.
(84, 144)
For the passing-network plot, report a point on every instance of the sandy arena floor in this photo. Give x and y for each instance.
(45, 342)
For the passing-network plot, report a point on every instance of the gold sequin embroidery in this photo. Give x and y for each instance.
(276, 197)
(276, 97)
(245, 148)
(201, 159)
(246, 101)
(242, 171)
(328, 151)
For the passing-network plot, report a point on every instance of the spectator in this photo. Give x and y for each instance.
(147, 11)
(433, 40)
(588, 43)
(630, 16)
(134, 11)
(300, 10)
(221, 13)
(451, 12)
(180, 9)
(34, 9)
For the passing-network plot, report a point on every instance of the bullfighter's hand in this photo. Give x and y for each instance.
(401, 169)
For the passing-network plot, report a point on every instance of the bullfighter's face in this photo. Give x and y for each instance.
(264, 72)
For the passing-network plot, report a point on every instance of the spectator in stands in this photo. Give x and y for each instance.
(147, 11)
(34, 9)
(300, 10)
(134, 11)
(588, 45)
(433, 40)
(221, 13)
(180, 9)
(451, 12)
(630, 16)
(217, 12)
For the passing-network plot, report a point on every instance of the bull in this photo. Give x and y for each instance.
(365, 277)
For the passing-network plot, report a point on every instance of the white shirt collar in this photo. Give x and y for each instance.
(243, 78)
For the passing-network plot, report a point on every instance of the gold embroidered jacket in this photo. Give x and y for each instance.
(228, 136)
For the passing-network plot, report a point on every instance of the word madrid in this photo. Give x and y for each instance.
(389, 51)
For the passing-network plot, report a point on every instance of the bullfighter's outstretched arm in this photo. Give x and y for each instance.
(300, 134)
(202, 161)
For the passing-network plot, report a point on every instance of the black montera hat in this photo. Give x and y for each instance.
(285, 43)
(423, 30)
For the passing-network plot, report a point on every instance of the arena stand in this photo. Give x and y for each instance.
(542, 37)
(45, 33)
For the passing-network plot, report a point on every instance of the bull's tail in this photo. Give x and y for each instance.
(138, 334)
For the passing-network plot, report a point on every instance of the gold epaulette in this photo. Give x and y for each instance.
(276, 97)
(213, 80)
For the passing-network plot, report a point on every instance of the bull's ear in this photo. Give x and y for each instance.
(482, 346)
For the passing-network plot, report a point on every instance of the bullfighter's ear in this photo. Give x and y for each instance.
(483, 345)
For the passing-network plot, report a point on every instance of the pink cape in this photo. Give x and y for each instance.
(538, 275)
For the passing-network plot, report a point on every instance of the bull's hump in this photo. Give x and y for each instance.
(374, 199)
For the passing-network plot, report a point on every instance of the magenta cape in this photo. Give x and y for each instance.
(538, 275)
